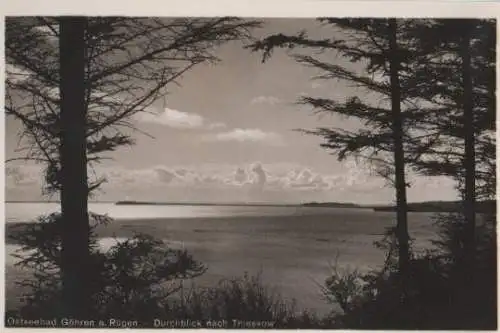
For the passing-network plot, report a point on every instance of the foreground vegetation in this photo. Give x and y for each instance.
(139, 282)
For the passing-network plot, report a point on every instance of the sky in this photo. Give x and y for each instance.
(226, 134)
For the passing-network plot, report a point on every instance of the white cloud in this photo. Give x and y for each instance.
(172, 118)
(248, 177)
(177, 119)
(265, 100)
(240, 176)
(260, 175)
(242, 179)
(232, 183)
(275, 177)
(248, 135)
(306, 179)
(165, 176)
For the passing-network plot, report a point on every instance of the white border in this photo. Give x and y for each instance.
(253, 8)
(245, 8)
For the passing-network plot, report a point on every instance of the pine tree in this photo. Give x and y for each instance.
(75, 83)
(386, 50)
(454, 81)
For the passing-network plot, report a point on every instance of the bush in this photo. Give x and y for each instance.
(133, 279)
(242, 299)
(481, 290)
(436, 299)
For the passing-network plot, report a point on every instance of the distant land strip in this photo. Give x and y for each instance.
(426, 206)
(486, 206)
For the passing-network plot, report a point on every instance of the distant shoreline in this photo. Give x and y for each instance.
(153, 203)
(426, 206)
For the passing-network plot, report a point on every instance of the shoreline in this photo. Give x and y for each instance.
(424, 206)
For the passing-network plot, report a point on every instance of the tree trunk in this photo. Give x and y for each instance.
(399, 163)
(74, 188)
(470, 158)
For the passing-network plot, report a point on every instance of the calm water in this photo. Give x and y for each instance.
(293, 247)
(26, 212)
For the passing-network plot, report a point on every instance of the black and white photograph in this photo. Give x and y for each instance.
(236, 172)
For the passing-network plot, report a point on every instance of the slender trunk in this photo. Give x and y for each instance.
(399, 163)
(470, 158)
(74, 188)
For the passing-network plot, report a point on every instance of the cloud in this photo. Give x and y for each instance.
(173, 118)
(165, 176)
(280, 182)
(23, 176)
(306, 179)
(260, 175)
(265, 100)
(178, 119)
(240, 176)
(305, 176)
(248, 135)
(252, 176)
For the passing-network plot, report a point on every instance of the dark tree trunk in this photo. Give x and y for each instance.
(74, 188)
(399, 163)
(470, 158)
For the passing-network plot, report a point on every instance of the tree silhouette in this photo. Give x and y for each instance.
(446, 86)
(73, 170)
(399, 154)
(457, 113)
(75, 82)
(385, 50)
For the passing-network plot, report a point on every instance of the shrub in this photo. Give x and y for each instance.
(435, 296)
(131, 280)
(241, 299)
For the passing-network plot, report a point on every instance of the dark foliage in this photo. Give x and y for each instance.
(243, 299)
(436, 297)
(132, 279)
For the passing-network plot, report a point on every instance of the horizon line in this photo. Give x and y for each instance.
(235, 203)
